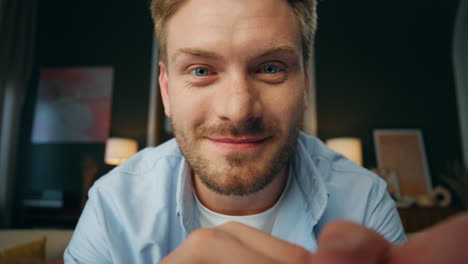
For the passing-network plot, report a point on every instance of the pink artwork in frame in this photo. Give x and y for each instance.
(73, 105)
(404, 150)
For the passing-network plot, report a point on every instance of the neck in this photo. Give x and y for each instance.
(242, 205)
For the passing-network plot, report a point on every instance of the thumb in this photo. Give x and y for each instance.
(347, 242)
(443, 243)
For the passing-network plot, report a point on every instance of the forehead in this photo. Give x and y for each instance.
(232, 28)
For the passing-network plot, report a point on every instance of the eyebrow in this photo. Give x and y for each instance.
(196, 52)
(213, 55)
(276, 49)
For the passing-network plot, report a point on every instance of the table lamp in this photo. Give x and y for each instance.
(119, 150)
(349, 147)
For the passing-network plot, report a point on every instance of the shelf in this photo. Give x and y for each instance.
(64, 218)
(416, 219)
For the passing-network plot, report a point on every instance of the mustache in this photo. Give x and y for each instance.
(255, 127)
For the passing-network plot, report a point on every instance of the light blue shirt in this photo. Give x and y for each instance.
(143, 209)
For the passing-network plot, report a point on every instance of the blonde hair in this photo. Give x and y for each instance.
(305, 11)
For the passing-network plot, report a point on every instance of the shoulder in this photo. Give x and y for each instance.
(351, 188)
(146, 161)
(334, 168)
(130, 206)
(152, 171)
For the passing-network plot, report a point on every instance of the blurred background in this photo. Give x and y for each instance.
(378, 65)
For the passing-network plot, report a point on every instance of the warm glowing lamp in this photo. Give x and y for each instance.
(119, 150)
(348, 147)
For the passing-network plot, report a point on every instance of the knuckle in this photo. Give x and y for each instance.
(203, 236)
(231, 225)
(299, 255)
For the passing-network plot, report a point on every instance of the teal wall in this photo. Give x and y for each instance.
(87, 33)
(386, 64)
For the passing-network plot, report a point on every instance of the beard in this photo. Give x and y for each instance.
(239, 174)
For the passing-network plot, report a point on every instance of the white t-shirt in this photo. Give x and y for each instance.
(262, 221)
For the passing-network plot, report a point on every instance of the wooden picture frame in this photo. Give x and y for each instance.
(403, 149)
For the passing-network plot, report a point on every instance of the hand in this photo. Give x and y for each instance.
(344, 242)
(340, 242)
(235, 243)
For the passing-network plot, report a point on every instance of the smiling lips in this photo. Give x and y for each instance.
(238, 144)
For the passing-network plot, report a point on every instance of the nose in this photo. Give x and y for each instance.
(238, 100)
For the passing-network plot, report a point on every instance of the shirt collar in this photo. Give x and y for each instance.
(308, 174)
(185, 200)
(306, 197)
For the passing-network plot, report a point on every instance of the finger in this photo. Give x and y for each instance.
(214, 246)
(347, 242)
(443, 243)
(265, 244)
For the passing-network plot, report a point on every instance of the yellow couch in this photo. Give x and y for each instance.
(57, 240)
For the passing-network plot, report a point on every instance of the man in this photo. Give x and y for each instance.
(241, 183)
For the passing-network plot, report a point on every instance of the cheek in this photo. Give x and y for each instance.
(188, 110)
(292, 112)
(286, 105)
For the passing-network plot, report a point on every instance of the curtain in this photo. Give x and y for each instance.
(460, 61)
(17, 34)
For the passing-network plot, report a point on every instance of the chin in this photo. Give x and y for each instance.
(243, 178)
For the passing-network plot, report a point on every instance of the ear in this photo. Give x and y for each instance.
(164, 87)
(306, 85)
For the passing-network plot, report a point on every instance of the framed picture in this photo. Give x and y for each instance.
(73, 105)
(404, 151)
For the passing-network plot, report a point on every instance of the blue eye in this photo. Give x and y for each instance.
(201, 72)
(270, 69)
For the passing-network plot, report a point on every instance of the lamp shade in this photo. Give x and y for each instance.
(119, 150)
(348, 147)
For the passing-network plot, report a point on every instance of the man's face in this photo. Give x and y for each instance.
(234, 87)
